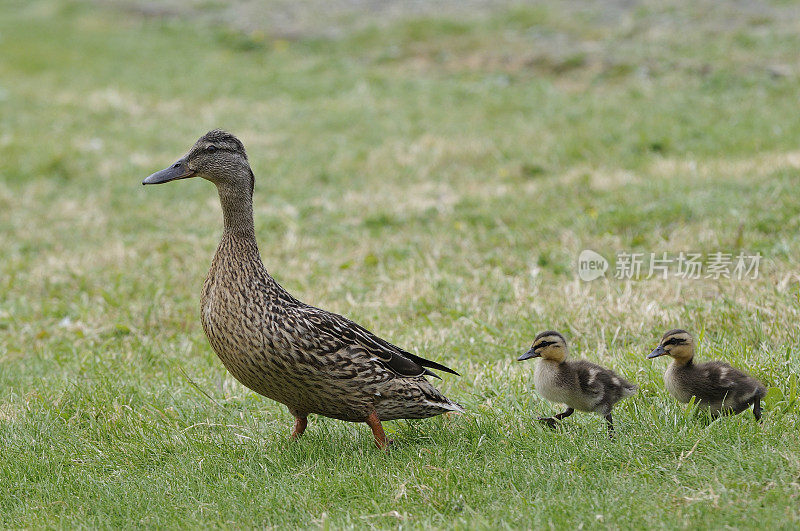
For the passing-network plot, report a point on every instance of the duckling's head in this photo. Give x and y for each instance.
(217, 156)
(677, 343)
(549, 345)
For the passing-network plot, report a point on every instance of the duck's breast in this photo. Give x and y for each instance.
(281, 361)
(237, 325)
(677, 381)
(555, 383)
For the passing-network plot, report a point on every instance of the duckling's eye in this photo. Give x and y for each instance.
(211, 149)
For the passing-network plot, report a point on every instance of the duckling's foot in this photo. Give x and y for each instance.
(377, 431)
(757, 410)
(300, 424)
(551, 422)
(610, 423)
(564, 414)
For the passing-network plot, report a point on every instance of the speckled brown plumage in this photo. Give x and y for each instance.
(311, 360)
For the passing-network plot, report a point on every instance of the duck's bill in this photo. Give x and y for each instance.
(179, 170)
(659, 351)
(528, 355)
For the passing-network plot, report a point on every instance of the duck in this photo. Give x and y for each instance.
(715, 385)
(311, 360)
(579, 384)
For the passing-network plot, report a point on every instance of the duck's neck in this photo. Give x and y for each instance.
(238, 243)
(556, 357)
(683, 362)
(237, 211)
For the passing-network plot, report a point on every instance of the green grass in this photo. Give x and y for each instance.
(434, 179)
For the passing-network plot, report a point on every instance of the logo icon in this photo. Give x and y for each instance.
(591, 265)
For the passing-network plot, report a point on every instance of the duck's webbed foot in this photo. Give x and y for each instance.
(552, 422)
(566, 413)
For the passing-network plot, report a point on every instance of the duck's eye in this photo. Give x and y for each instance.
(211, 149)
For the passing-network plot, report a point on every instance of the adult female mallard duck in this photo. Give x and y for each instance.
(715, 385)
(579, 384)
(311, 360)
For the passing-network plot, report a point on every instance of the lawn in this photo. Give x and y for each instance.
(433, 176)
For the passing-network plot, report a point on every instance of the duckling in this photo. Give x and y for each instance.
(715, 385)
(578, 384)
(311, 360)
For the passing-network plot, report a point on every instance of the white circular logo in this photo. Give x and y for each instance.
(591, 265)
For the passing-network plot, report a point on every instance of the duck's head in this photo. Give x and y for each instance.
(677, 343)
(549, 345)
(217, 156)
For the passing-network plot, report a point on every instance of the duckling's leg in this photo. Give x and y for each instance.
(757, 409)
(377, 431)
(300, 424)
(610, 424)
(567, 412)
(551, 421)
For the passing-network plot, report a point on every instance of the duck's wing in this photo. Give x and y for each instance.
(591, 378)
(599, 381)
(336, 331)
(717, 380)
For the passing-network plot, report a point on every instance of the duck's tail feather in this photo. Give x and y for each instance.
(430, 364)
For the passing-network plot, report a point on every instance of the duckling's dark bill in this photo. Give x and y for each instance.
(528, 355)
(179, 170)
(659, 351)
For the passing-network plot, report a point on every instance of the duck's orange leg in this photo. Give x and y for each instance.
(300, 424)
(377, 431)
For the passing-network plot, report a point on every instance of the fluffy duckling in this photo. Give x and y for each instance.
(578, 384)
(715, 385)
